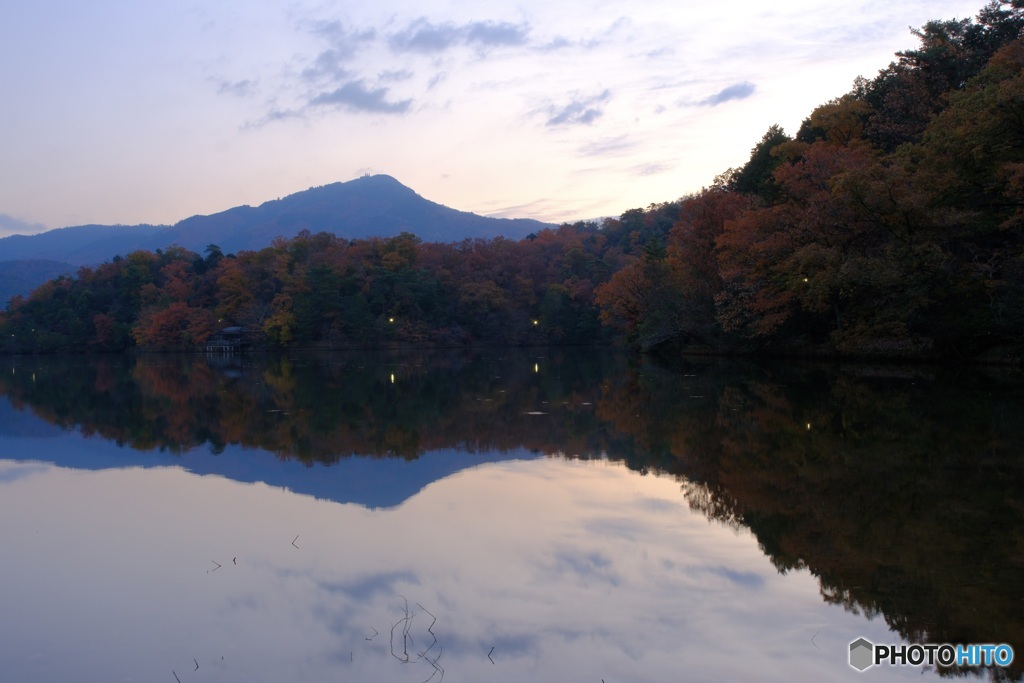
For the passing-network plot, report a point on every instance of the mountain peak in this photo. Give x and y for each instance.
(369, 206)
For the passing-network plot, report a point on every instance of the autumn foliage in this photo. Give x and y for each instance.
(322, 290)
(891, 224)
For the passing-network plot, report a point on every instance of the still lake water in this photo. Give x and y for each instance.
(501, 515)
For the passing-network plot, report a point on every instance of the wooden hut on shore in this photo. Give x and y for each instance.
(228, 340)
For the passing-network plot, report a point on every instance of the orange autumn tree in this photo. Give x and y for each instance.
(783, 266)
(668, 292)
(176, 326)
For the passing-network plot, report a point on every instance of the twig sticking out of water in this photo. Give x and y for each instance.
(407, 621)
(176, 676)
(437, 667)
(492, 660)
(216, 563)
(431, 632)
(407, 640)
(405, 657)
(375, 634)
(295, 539)
(197, 663)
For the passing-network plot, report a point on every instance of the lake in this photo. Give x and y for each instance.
(502, 515)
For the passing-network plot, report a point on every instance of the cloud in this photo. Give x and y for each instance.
(345, 44)
(557, 43)
(328, 63)
(608, 146)
(344, 41)
(395, 76)
(738, 91)
(355, 96)
(582, 110)
(495, 34)
(243, 88)
(592, 41)
(654, 168)
(425, 37)
(273, 116)
(9, 225)
(549, 210)
(435, 79)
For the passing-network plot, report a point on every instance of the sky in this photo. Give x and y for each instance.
(134, 111)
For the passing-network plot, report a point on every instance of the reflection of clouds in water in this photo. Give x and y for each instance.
(12, 472)
(736, 578)
(586, 565)
(659, 505)
(250, 602)
(365, 587)
(568, 570)
(626, 528)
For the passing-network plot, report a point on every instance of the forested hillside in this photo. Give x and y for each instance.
(317, 290)
(891, 224)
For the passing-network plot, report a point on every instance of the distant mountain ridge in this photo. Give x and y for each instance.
(370, 206)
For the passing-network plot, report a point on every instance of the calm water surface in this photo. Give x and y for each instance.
(507, 515)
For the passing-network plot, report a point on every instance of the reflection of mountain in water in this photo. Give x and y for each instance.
(23, 424)
(221, 416)
(372, 483)
(899, 489)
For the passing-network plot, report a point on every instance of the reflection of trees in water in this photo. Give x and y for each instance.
(898, 489)
(321, 408)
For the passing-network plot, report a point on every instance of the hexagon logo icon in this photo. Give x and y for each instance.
(862, 654)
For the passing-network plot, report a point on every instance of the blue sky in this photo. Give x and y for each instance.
(130, 111)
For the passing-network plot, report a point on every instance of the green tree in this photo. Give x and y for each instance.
(756, 176)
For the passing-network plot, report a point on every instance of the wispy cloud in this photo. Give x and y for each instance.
(495, 34)
(9, 225)
(274, 115)
(424, 36)
(608, 146)
(344, 40)
(342, 75)
(557, 43)
(738, 91)
(355, 96)
(654, 168)
(395, 76)
(582, 110)
(243, 88)
(587, 41)
(344, 44)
